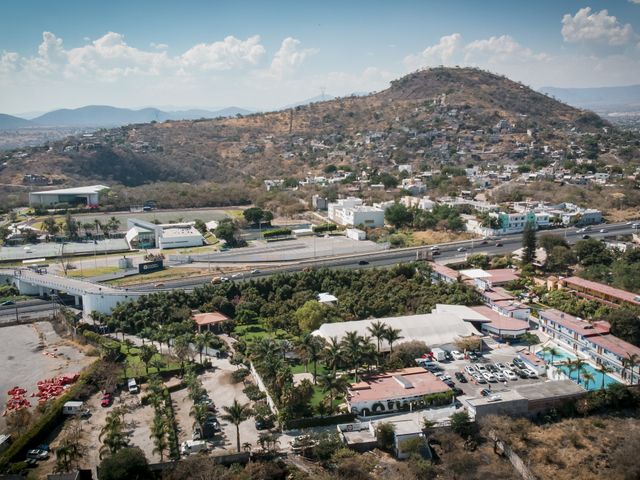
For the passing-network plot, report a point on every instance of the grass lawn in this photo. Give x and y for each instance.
(251, 332)
(92, 272)
(172, 273)
(299, 368)
(135, 366)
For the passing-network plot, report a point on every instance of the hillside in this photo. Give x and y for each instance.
(455, 116)
(9, 122)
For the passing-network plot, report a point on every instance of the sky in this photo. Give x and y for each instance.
(265, 54)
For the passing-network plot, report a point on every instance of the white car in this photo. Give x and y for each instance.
(479, 378)
(531, 373)
(603, 230)
(470, 370)
(500, 377)
(509, 374)
(457, 355)
(481, 368)
(489, 377)
(501, 366)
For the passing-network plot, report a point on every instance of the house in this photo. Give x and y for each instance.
(397, 390)
(487, 279)
(88, 196)
(442, 273)
(593, 339)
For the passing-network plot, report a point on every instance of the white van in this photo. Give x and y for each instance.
(193, 446)
(132, 386)
(74, 408)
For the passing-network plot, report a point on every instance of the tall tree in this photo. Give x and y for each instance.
(159, 434)
(378, 330)
(332, 355)
(147, 352)
(236, 414)
(529, 243)
(392, 335)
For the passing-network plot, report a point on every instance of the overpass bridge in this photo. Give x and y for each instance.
(90, 296)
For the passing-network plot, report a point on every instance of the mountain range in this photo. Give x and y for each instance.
(107, 116)
(600, 99)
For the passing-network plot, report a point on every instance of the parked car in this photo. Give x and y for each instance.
(509, 374)
(106, 400)
(491, 368)
(448, 355)
(38, 454)
(520, 372)
(479, 378)
(519, 363)
(489, 377)
(485, 392)
(461, 378)
(481, 368)
(500, 377)
(264, 423)
(472, 356)
(470, 370)
(457, 392)
(449, 383)
(501, 366)
(531, 373)
(457, 355)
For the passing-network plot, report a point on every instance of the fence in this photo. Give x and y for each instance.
(500, 447)
(263, 388)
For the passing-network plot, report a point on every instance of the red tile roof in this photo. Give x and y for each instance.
(622, 295)
(445, 271)
(502, 275)
(615, 345)
(501, 322)
(497, 295)
(385, 387)
(575, 324)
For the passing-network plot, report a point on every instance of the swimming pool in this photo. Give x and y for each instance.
(563, 355)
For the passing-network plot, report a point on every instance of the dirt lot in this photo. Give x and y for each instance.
(222, 390)
(24, 361)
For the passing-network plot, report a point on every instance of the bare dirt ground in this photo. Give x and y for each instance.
(430, 237)
(24, 361)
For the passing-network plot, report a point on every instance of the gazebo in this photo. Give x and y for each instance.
(210, 321)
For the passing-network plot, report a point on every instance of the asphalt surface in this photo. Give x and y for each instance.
(448, 252)
(31, 309)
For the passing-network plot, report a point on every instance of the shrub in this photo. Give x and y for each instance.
(325, 227)
(240, 374)
(385, 436)
(279, 232)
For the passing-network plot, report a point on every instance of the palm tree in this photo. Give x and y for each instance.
(378, 330)
(311, 347)
(67, 453)
(588, 378)
(392, 335)
(147, 352)
(552, 351)
(353, 347)
(578, 365)
(159, 435)
(98, 226)
(603, 370)
(114, 438)
(333, 386)
(570, 366)
(200, 343)
(332, 355)
(632, 360)
(236, 414)
(200, 413)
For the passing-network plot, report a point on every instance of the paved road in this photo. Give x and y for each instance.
(30, 309)
(448, 253)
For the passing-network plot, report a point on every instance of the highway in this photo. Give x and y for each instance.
(31, 309)
(448, 253)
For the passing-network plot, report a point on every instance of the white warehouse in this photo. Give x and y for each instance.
(352, 212)
(142, 234)
(88, 196)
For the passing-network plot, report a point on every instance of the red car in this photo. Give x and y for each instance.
(106, 400)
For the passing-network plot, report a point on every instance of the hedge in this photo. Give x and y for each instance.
(276, 233)
(325, 227)
(46, 423)
(319, 421)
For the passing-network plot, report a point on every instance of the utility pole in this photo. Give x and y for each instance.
(290, 121)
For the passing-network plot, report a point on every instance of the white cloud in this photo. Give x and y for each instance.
(637, 2)
(500, 50)
(159, 46)
(224, 55)
(439, 54)
(8, 62)
(289, 57)
(596, 28)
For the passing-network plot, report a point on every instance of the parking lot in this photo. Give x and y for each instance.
(471, 388)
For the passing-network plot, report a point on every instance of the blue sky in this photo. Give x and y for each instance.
(260, 54)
